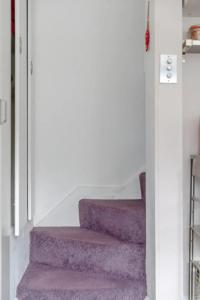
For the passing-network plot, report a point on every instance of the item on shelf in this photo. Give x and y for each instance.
(195, 32)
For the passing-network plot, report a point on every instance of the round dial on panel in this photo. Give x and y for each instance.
(169, 68)
(169, 75)
(169, 61)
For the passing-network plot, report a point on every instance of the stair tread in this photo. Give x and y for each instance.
(123, 219)
(42, 278)
(81, 249)
(77, 234)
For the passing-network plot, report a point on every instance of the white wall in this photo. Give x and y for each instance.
(164, 157)
(88, 108)
(191, 119)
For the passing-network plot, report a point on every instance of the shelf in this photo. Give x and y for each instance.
(191, 46)
(195, 156)
(196, 278)
(194, 271)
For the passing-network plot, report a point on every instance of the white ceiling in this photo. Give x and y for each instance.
(192, 8)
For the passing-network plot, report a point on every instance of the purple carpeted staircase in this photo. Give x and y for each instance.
(104, 259)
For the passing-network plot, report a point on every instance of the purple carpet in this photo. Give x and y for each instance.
(123, 219)
(104, 259)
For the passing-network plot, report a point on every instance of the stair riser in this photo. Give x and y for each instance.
(115, 294)
(123, 224)
(105, 295)
(125, 261)
(41, 282)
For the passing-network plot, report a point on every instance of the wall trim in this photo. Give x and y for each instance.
(19, 250)
(53, 217)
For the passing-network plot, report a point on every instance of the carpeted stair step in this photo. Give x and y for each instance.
(80, 249)
(123, 219)
(46, 283)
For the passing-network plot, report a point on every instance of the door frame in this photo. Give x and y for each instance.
(24, 67)
(30, 73)
(5, 146)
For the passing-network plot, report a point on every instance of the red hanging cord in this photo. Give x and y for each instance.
(147, 35)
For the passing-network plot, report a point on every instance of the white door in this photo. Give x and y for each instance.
(21, 117)
(5, 144)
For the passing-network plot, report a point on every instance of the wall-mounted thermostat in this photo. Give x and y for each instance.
(168, 68)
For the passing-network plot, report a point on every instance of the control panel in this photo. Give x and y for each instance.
(168, 68)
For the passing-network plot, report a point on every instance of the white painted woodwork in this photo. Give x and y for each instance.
(30, 98)
(21, 120)
(164, 152)
(5, 146)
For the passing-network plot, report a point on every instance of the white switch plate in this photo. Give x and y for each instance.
(168, 68)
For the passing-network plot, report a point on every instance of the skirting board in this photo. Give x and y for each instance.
(65, 213)
(19, 258)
